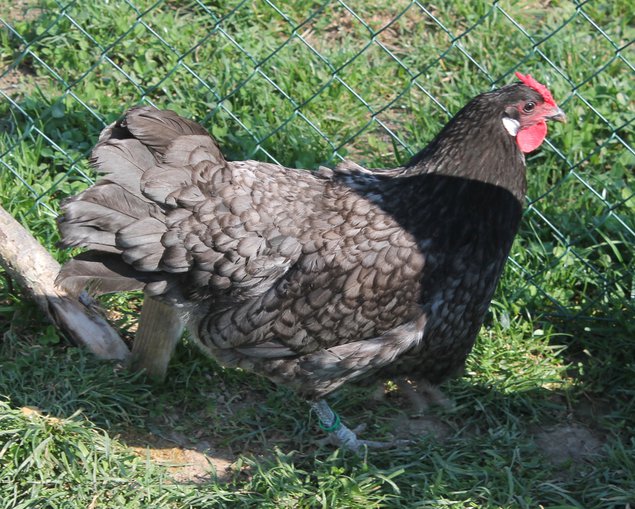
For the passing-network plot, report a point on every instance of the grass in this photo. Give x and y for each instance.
(545, 415)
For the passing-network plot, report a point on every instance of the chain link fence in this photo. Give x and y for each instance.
(305, 83)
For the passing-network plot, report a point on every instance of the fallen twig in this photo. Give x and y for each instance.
(35, 270)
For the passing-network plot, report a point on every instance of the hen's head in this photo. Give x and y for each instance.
(528, 106)
(485, 140)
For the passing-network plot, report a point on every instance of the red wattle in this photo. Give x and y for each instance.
(530, 138)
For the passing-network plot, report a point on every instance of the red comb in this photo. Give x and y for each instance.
(538, 87)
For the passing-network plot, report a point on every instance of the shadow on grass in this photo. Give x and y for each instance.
(202, 405)
(601, 356)
(208, 425)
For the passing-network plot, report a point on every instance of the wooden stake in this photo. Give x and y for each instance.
(160, 328)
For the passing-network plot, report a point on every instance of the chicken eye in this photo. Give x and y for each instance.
(529, 107)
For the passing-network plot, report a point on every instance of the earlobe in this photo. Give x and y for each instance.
(511, 125)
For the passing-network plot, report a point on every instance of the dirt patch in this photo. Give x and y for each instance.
(21, 10)
(417, 420)
(10, 82)
(17, 82)
(21, 80)
(198, 463)
(564, 444)
(422, 426)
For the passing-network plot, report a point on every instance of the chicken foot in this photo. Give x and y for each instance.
(341, 435)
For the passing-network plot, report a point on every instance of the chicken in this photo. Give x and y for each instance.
(313, 279)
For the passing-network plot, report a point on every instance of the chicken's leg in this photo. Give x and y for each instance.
(341, 435)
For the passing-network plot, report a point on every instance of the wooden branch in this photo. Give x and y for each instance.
(35, 270)
(160, 328)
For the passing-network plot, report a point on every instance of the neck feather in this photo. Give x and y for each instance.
(474, 145)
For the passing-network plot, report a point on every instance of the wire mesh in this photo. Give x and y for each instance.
(304, 83)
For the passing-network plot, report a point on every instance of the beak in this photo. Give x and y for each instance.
(557, 115)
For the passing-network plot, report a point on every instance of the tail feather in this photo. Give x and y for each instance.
(162, 184)
(157, 129)
(166, 183)
(94, 218)
(141, 243)
(146, 160)
(90, 238)
(102, 273)
(122, 161)
(194, 150)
